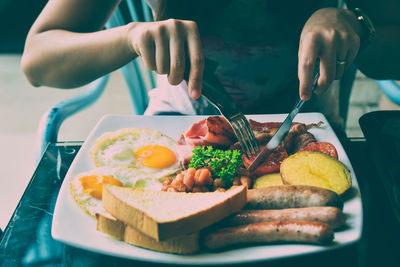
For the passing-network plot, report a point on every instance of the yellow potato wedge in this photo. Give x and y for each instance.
(269, 179)
(315, 169)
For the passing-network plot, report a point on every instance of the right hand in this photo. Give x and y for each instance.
(163, 45)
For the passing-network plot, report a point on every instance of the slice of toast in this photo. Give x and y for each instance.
(109, 225)
(186, 244)
(164, 215)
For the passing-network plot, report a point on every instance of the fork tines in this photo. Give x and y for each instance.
(245, 134)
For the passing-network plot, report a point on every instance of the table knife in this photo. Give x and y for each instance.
(282, 131)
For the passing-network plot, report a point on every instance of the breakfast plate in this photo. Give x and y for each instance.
(67, 213)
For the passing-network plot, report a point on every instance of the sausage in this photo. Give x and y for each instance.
(324, 147)
(292, 196)
(330, 215)
(303, 140)
(289, 143)
(270, 232)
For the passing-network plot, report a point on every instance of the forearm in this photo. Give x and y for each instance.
(64, 59)
(381, 58)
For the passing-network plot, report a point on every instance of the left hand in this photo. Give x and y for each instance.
(332, 35)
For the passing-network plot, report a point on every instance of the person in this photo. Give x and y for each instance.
(266, 50)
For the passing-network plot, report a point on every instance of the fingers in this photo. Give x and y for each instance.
(347, 49)
(329, 34)
(196, 58)
(146, 49)
(185, 33)
(353, 42)
(341, 63)
(177, 58)
(162, 51)
(168, 46)
(308, 52)
(327, 67)
(335, 50)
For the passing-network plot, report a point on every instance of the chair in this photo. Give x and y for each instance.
(391, 89)
(139, 80)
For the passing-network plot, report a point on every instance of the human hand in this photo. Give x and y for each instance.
(332, 35)
(165, 47)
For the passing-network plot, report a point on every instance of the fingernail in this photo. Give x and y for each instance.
(305, 96)
(195, 89)
(194, 94)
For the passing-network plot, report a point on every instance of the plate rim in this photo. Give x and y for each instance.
(185, 259)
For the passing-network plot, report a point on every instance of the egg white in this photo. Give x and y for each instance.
(118, 149)
(129, 177)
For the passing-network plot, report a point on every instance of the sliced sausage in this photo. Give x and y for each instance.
(324, 147)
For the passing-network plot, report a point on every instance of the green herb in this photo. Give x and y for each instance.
(222, 163)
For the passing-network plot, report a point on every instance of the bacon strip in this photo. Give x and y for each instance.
(214, 131)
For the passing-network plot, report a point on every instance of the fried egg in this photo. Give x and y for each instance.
(146, 149)
(87, 187)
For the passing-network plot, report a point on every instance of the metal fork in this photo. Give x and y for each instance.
(215, 93)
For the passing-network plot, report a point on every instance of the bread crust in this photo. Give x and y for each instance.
(187, 244)
(110, 226)
(128, 206)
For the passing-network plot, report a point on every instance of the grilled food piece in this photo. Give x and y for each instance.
(270, 232)
(330, 215)
(292, 196)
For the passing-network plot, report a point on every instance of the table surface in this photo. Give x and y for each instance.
(27, 239)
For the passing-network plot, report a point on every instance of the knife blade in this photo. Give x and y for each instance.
(282, 131)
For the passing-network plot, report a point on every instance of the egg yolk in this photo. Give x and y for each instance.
(155, 156)
(93, 184)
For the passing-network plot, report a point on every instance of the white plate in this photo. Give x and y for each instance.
(71, 225)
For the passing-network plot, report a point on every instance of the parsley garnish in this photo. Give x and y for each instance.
(221, 163)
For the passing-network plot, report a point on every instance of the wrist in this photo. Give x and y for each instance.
(131, 28)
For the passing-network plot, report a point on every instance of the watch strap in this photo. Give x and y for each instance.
(368, 28)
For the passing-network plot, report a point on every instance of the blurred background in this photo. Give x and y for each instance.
(22, 105)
